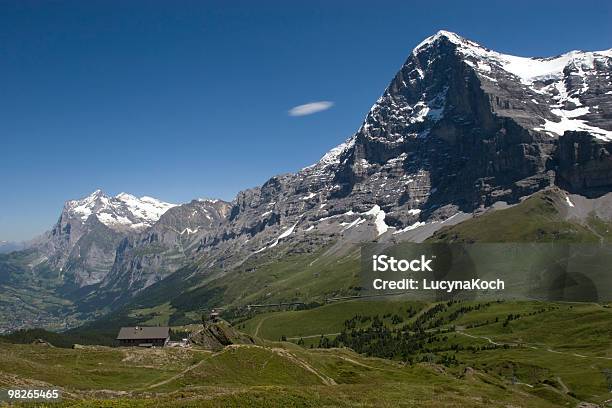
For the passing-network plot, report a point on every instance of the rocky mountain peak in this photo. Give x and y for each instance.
(458, 129)
(443, 36)
(546, 96)
(461, 125)
(561, 93)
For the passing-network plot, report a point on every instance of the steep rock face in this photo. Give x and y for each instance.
(459, 128)
(473, 126)
(92, 256)
(148, 257)
(584, 164)
(82, 250)
(83, 243)
(436, 123)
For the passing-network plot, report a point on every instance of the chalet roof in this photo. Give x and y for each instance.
(143, 333)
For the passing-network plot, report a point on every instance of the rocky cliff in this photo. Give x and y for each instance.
(82, 244)
(459, 128)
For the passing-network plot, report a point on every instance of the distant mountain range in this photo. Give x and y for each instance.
(7, 246)
(459, 130)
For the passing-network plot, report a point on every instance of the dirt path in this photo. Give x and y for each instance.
(174, 377)
(548, 349)
(188, 369)
(485, 338)
(562, 384)
(350, 360)
(287, 354)
(263, 319)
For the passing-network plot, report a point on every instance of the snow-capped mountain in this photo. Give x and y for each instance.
(459, 128)
(124, 211)
(569, 86)
(82, 244)
(455, 104)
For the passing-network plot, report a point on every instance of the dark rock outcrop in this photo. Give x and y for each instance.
(584, 164)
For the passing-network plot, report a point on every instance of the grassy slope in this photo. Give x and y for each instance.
(322, 320)
(569, 344)
(279, 375)
(298, 277)
(537, 219)
(183, 297)
(580, 328)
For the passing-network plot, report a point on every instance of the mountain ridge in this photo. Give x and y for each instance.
(454, 133)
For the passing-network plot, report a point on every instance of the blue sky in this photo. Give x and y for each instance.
(185, 99)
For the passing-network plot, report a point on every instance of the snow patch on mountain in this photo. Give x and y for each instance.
(567, 124)
(333, 156)
(432, 109)
(409, 227)
(379, 221)
(284, 234)
(146, 208)
(348, 225)
(309, 196)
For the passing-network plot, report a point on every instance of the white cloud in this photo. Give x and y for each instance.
(310, 108)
